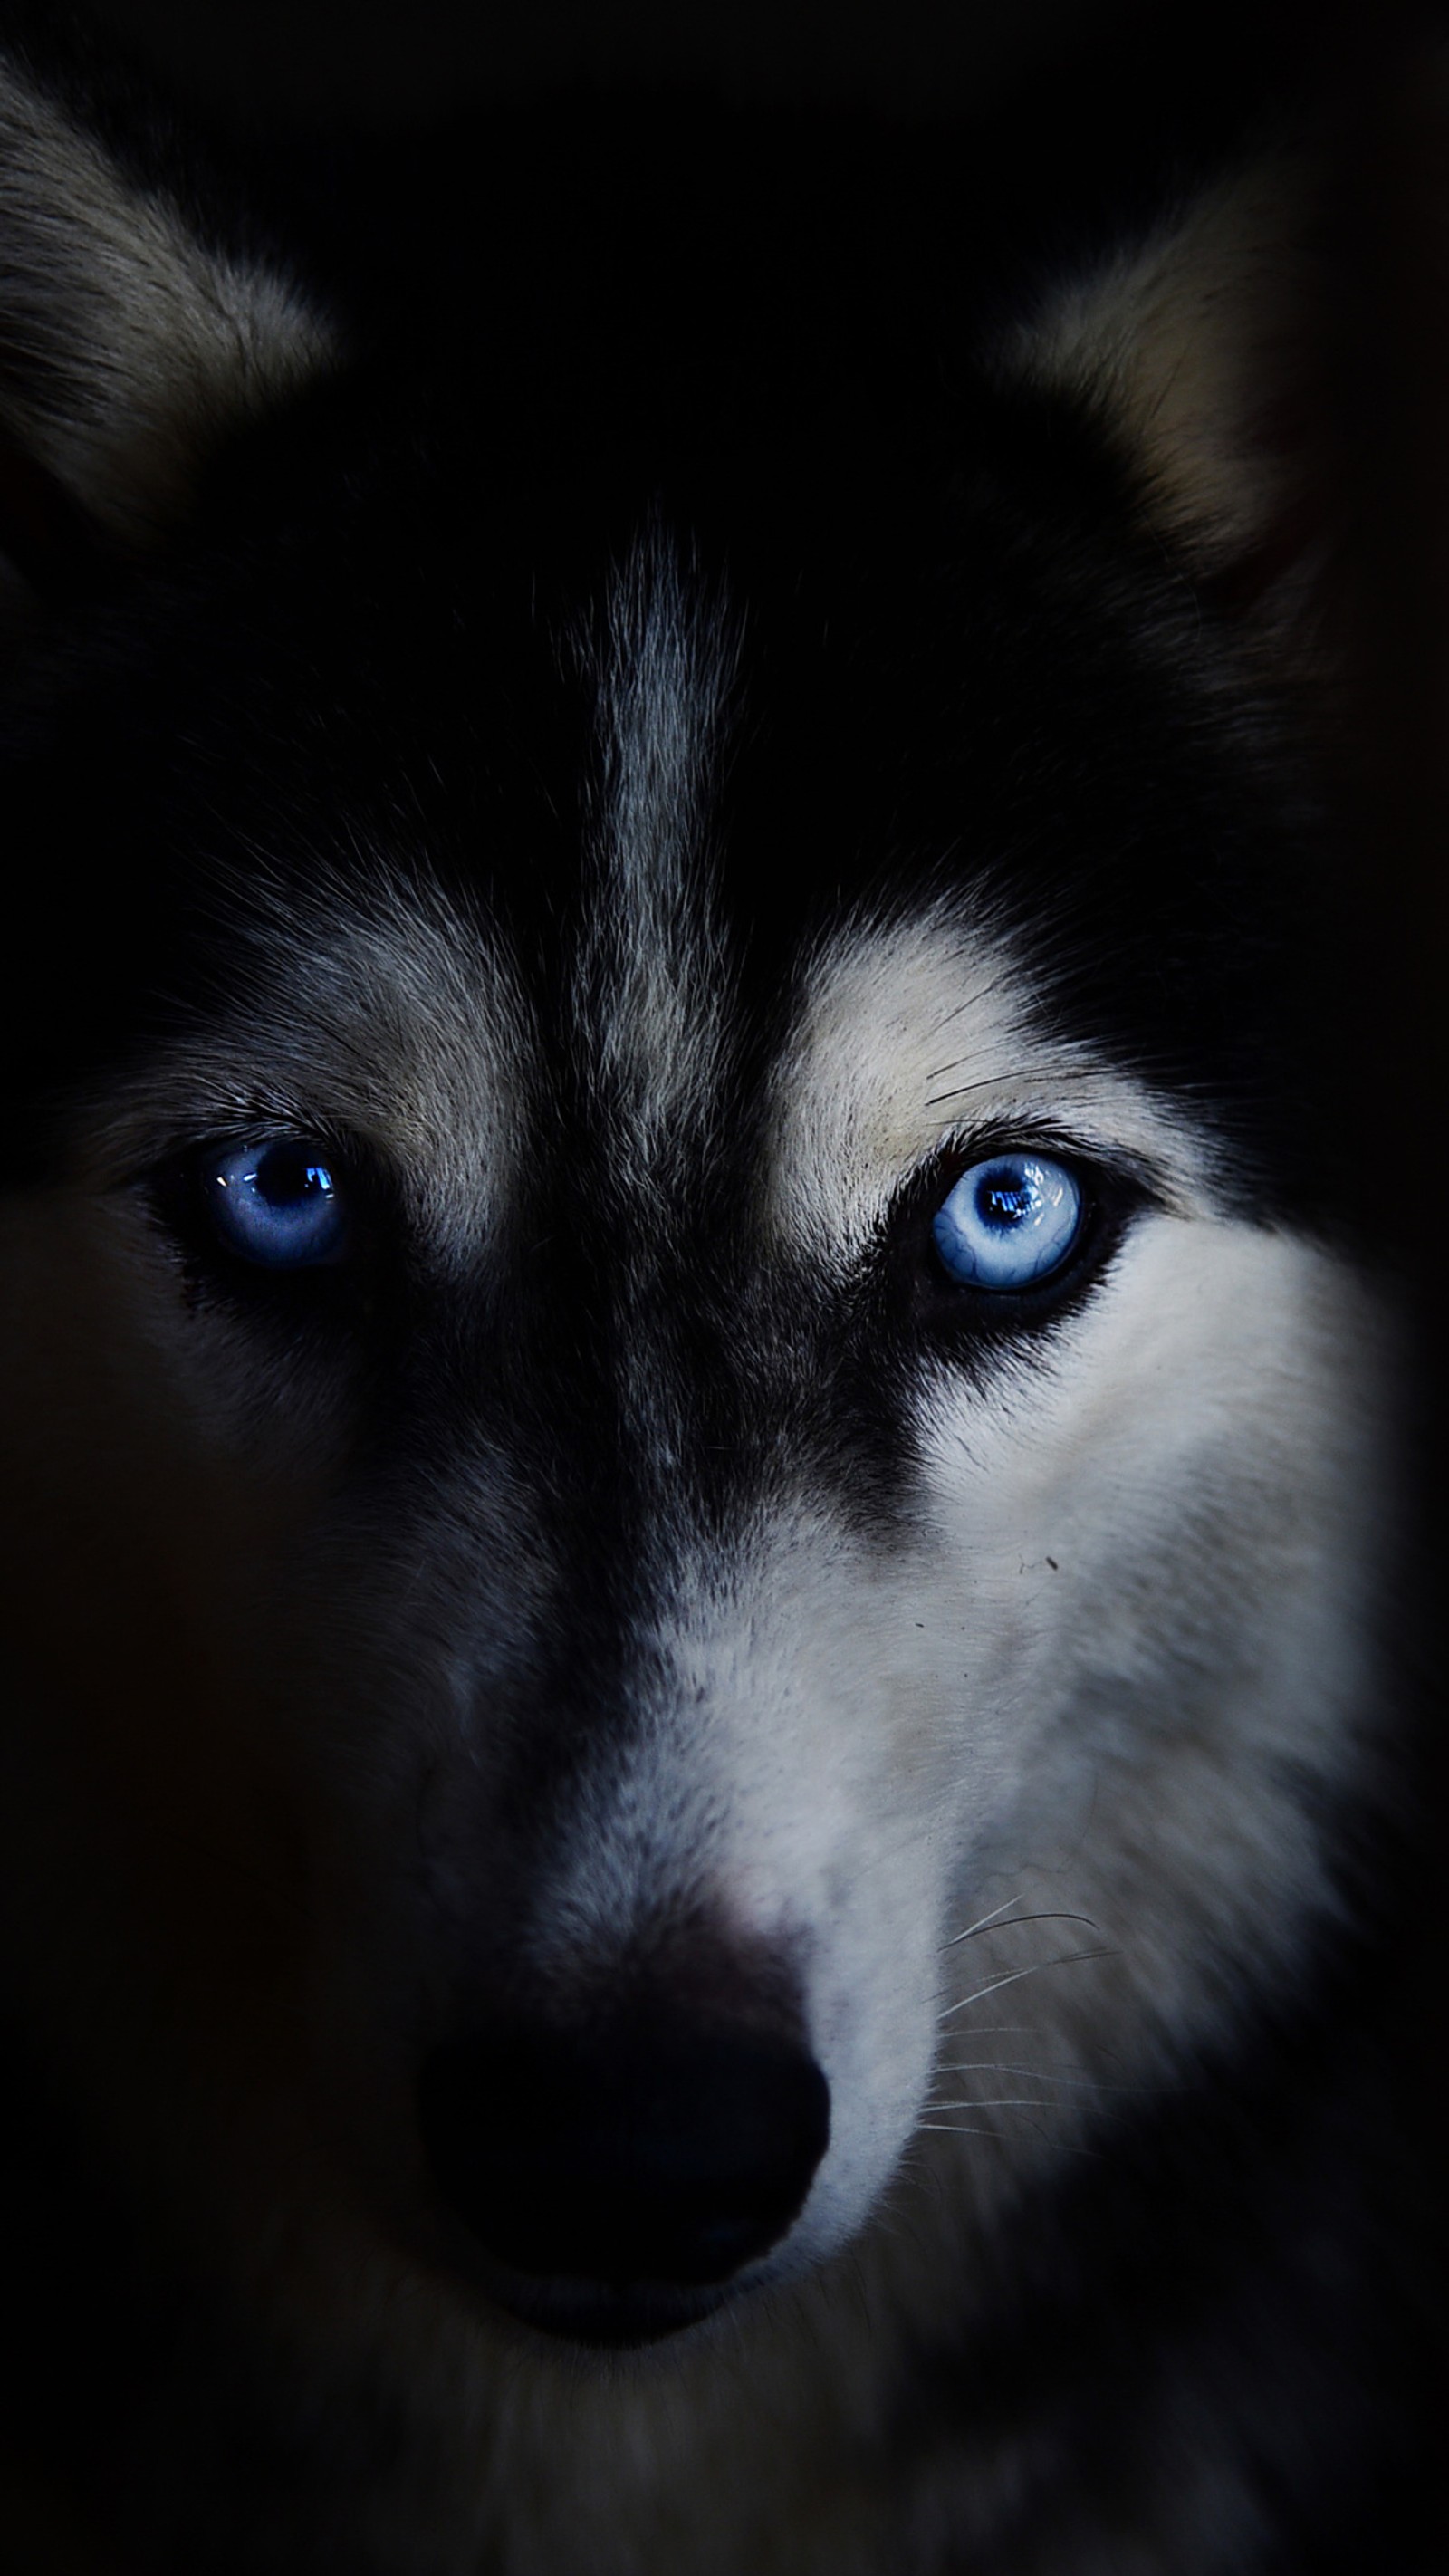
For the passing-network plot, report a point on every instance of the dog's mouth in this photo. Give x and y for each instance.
(606, 2315)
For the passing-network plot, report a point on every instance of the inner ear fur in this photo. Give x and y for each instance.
(129, 345)
(1207, 351)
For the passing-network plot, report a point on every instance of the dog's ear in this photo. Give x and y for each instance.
(129, 342)
(1211, 352)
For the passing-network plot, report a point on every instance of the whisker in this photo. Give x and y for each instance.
(981, 1924)
(1068, 1959)
(958, 1937)
(1003, 2066)
(986, 1082)
(973, 1002)
(1061, 1080)
(965, 2129)
(952, 2129)
(1007, 2029)
(1047, 2075)
(997, 2102)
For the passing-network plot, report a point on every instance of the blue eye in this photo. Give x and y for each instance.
(277, 1203)
(1010, 1222)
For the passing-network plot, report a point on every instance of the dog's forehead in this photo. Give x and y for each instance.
(405, 1006)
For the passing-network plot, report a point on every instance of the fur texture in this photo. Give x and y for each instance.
(646, 851)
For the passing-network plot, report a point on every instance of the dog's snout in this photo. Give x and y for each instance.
(654, 2153)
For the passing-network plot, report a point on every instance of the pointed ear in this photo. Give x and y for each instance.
(129, 344)
(1207, 351)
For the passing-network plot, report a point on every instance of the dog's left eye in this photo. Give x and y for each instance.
(1011, 1222)
(277, 1202)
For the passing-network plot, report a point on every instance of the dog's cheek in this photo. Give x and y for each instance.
(166, 1840)
(1172, 1584)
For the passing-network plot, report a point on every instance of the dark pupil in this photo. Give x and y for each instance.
(1003, 1204)
(285, 1174)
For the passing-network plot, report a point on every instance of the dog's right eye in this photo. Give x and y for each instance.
(1011, 1222)
(277, 1202)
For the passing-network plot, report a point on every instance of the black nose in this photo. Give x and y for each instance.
(651, 2152)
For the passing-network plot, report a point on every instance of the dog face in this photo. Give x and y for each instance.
(683, 1420)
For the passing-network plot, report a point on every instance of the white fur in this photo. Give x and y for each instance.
(653, 966)
(1130, 1629)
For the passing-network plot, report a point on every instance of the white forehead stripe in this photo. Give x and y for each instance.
(653, 963)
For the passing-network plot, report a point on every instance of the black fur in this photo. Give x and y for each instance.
(959, 658)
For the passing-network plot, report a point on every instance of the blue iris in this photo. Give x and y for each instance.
(276, 1203)
(1009, 1223)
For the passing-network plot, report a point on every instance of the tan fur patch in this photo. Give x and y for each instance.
(128, 347)
(1198, 347)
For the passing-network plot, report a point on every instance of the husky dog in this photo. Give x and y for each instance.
(696, 1419)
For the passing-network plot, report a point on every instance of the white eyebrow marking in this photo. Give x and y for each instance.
(862, 1095)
